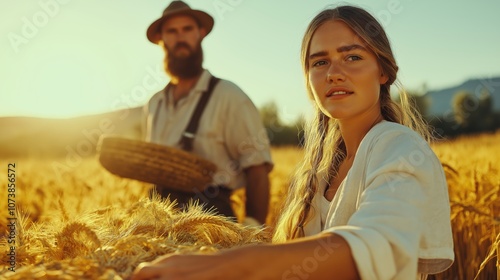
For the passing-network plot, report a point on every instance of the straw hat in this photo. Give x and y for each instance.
(178, 8)
(156, 164)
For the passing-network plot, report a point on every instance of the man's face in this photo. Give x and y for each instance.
(181, 35)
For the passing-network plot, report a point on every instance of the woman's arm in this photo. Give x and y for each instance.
(323, 256)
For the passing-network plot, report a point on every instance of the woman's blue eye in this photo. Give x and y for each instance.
(353, 58)
(319, 63)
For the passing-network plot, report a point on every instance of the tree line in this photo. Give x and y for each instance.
(469, 114)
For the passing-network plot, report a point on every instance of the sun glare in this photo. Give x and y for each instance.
(66, 82)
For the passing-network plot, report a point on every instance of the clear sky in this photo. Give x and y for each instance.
(65, 58)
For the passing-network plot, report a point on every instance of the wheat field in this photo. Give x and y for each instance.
(81, 222)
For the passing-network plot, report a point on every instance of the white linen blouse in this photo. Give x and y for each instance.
(392, 208)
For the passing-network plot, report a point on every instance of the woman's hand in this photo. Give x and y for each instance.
(180, 267)
(230, 264)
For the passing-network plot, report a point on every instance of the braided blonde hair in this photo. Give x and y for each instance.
(324, 147)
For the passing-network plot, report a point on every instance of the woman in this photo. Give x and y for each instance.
(370, 199)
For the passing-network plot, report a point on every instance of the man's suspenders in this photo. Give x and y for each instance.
(187, 138)
(188, 135)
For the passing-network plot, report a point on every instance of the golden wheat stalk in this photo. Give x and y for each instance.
(494, 252)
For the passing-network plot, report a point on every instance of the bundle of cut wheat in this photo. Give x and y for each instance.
(110, 242)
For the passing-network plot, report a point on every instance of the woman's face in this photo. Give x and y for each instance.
(344, 74)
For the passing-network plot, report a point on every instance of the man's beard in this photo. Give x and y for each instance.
(184, 67)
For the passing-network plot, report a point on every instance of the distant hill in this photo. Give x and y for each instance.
(440, 101)
(25, 136)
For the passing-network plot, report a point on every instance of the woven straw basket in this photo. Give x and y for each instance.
(157, 164)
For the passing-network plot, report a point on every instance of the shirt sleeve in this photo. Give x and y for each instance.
(244, 133)
(386, 230)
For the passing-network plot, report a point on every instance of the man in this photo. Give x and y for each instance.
(230, 131)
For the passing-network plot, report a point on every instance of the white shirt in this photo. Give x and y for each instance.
(325, 206)
(230, 133)
(393, 208)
